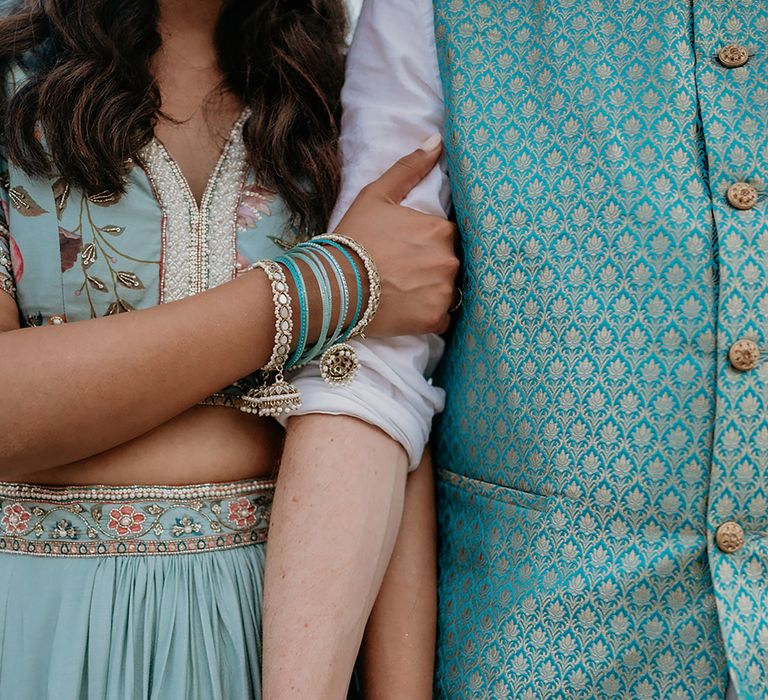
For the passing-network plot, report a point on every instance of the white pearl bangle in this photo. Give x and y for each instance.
(283, 314)
(279, 396)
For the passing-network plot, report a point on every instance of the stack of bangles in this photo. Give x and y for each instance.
(338, 360)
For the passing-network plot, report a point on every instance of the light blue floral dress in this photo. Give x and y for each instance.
(139, 592)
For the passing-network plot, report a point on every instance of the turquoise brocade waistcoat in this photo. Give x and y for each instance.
(603, 493)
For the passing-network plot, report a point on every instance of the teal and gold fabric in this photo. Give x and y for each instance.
(603, 493)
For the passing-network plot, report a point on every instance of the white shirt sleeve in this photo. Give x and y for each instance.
(393, 102)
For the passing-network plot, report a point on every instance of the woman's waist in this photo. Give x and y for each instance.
(202, 445)
(101, 520)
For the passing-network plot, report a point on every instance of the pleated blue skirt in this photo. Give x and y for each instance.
(118, 594)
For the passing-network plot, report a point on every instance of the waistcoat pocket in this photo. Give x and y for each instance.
(504, 494)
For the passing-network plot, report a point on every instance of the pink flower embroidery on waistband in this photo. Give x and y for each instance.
(242, 512)
(125, 520)
(15, 518)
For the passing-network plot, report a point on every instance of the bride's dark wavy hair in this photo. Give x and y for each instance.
(92, 93)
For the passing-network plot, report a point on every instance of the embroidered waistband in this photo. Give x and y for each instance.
(94, 521)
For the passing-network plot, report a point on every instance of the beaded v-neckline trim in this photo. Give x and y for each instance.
(199, 250)
(235, 133)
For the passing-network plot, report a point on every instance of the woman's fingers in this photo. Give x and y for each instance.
(414, 252)
(409, 171)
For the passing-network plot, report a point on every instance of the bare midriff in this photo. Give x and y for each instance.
(205, 444)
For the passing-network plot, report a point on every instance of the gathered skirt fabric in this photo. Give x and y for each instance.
(182, 622)
(184, 627)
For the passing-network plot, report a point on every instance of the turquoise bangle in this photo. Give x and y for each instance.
(301, 289)
(339, 274)
(325, 294)
(317, 256)
(327, 340)
(356, 270)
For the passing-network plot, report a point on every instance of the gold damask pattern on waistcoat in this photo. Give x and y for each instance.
(589, 144)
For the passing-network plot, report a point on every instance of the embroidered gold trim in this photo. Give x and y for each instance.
(227, 400)
(47, 548)
(56, 494)
(138, 520)
(198, 242)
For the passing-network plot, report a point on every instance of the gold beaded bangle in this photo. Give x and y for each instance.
(280, 396)
(283, 315)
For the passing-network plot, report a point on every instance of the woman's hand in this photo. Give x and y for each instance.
(414, 252)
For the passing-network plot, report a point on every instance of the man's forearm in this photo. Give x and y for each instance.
(399, 644)
(335, 519)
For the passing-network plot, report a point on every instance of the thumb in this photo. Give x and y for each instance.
(410, 170)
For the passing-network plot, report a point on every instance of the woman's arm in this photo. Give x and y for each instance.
(74, 390)
(398, 652)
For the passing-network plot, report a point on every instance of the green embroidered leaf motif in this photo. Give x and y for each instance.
(69, 246)
(23, 203)
(130, 280)
(113, 230)
(89, 255)
(104, 199)
(96, 283)
(60, 196)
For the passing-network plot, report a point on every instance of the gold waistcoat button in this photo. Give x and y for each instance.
(744, 354)
(742, 195)
(56, 320)
(729, 537)
(733, 56)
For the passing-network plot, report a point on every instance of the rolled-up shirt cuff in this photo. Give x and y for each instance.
(390, 391)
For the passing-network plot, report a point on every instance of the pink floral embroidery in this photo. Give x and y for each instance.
(254, 203)
(242, 512)
(15, 518)
(17, 260)
(125, 520)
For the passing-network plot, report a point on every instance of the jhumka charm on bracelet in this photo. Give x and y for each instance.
(339, 364)
(272, 399)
